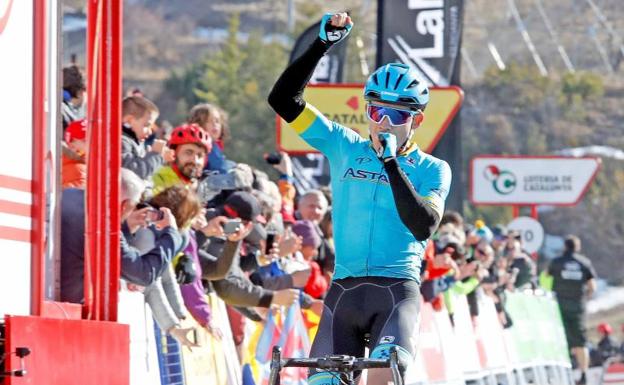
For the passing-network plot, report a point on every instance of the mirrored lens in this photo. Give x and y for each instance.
(397, 117)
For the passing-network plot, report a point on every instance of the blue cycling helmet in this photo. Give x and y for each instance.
(398, 84)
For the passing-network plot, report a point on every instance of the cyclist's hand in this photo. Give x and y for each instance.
(285, 297)
(388, 146)
(300, 278)
(335, 27)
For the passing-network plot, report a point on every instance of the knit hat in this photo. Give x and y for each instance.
(306, 230)
(76, 130)
(482, 231)
(242, 205)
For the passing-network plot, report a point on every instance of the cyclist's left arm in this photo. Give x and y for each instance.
(421, 213)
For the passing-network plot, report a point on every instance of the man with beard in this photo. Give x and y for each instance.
(191, 145)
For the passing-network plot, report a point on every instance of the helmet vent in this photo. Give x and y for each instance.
(396, 85)
(414, 83)
(425, 91)
(375, 80)
(387, 79)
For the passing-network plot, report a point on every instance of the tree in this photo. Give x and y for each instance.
(238, 78)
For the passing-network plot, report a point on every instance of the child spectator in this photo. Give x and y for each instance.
(317, 283)
(138, 117)
(74, 168)
(74, 89)
(213, 120)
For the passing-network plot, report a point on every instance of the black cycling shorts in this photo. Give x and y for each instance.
(373, 312)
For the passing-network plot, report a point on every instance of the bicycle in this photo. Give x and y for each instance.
(345, 365)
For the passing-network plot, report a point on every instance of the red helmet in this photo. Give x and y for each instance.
(190, 133)
(604, 328)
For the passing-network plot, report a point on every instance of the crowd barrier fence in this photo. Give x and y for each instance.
(471, 350)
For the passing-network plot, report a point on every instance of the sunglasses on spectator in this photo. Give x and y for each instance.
(397, 116)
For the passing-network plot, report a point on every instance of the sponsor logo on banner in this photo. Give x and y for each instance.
(345, 105)
(518, 180)
(425, 34)
(503, 182)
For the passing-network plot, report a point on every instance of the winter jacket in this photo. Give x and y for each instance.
(134, 157)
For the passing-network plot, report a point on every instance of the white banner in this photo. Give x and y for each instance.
(530, 180)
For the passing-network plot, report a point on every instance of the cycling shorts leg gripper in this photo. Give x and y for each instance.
(325, 378)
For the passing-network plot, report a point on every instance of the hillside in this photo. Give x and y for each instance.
(516, 111)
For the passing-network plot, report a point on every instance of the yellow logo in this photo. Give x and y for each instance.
(345, 104)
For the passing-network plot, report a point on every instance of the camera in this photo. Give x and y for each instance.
(154, 215)
(273, 158)
(231, 226)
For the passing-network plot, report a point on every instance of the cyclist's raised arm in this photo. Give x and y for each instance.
(286, 98)
(421, 213)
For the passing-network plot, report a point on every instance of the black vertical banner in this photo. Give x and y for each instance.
(312, 170)
(427, 34)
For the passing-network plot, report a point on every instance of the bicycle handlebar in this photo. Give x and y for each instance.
(337, 363)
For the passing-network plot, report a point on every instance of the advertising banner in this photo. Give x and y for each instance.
(423, 33)
(345, 104)
(525, 180)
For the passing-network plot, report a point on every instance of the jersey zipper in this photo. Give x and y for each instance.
(372, 227)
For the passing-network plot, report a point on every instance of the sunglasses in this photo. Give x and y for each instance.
(397, 117)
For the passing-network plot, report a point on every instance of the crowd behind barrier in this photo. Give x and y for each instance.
(220, 263)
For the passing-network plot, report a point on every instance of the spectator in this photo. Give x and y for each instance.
(317, 284)
(136, 267)
(74, 89)
(485, 255)
(74, 168)
(144, 268)
(236, 289)
(573, 281)
(522, 267)
(607, 346)
(213, 120)
(191, 146)
(312, 206)
(186, 206)
(138, 116)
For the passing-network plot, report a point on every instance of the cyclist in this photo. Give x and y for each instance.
(388, 198)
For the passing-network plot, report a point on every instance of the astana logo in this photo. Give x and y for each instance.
(503, 182)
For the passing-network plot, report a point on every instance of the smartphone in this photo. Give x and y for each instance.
(195, 337)
(269, 243)
(154, 215)
(231, 226)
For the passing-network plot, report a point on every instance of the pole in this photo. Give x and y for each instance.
(38, 166)
(527, 39)
(534, 212)
(554, 37)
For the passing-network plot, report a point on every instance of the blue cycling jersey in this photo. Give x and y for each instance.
(369, 236)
